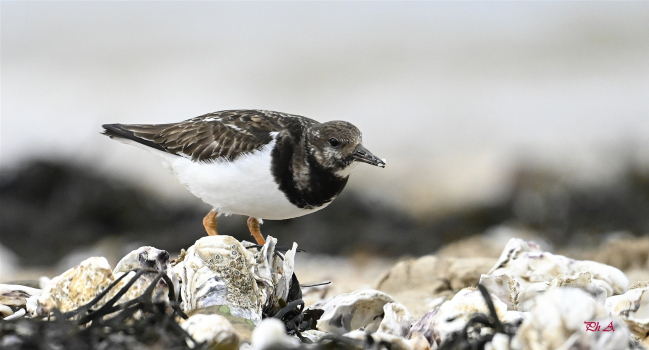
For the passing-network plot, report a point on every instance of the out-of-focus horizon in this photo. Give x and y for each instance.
(456, 96)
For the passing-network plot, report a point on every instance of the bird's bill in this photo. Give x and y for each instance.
(361, 154)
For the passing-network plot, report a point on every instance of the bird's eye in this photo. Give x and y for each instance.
(334, 142)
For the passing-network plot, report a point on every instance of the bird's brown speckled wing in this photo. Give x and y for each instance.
(219, 135)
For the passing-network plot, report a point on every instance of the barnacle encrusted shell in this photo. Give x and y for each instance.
(347, 312)
(632, 307)
(218, 270)
(215, 330)
(557, 321)
(453, 315)
(76, 286)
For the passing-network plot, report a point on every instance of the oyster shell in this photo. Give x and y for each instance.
(16, 296)
(632, 307)
(524, 271)
(396, 320)
(81, 284)
(247, 279)
(271, 334)
(453, 315)
(395, 342)
(218, 270)
(557, 321)
(347, 312)
(215, 330)
(528, 264)
(149, 258)
(273, 274)
(76, 287)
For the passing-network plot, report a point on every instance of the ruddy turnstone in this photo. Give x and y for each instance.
(263, 164)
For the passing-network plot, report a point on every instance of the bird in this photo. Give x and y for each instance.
(263, 164)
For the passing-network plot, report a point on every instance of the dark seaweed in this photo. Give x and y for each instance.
(84, 328)
(292, 312)
(463, 341)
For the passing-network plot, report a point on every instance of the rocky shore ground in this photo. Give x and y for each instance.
(223, 293)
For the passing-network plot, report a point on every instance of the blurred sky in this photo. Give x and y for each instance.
(454, 94)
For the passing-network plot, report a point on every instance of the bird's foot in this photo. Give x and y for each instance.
(209, 221)
(253, 225)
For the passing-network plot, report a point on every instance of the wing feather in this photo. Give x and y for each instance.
(213, 136)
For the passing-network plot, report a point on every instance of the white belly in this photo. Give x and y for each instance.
(244, 186)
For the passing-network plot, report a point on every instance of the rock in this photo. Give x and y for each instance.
(413, 281)
(625, 253)
(215, 330)
(488, 244)
(347, 312)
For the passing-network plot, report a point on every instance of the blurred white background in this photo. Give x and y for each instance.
(454, 95)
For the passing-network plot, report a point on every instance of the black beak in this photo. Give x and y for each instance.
(361, 154)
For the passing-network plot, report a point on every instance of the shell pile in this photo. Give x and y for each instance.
(533, 299)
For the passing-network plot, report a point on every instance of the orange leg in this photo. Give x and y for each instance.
(253, 225)
(209, 221)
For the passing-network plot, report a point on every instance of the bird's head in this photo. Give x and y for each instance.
(337, 145)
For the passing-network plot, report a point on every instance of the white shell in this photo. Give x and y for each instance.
(16, 296)
(81, 284)
(632, 307)
(453, 315)
(273, 274)
(396, 320)
(396, 342)
(313, 335)
(218, 270)
(5, 311)
(524, 271)
(528, 264)
(76, 286)
(271, 334)
(152, 258)
(418, 342)
(347, 312)
(147, 257)
(216, 330)
(557, 321)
